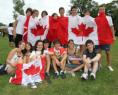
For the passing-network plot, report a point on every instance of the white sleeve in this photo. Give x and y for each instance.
(110, 20)
(19, 17)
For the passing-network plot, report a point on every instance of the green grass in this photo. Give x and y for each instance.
(105, 84)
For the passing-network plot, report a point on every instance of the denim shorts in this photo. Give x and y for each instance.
(103, 47)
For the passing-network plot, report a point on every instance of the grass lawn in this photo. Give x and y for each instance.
(105, 84)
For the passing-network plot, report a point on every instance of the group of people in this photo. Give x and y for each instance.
(68, 44)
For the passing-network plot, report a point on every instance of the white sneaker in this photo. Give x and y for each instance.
(110, 68)
(84, 76)
(25, 85)
(33, 86)
(73, 74)
(93, 76)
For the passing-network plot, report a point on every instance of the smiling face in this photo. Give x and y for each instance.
(28, 47)
(90, 46)
(74, 11)
(21, 45)
(46, 45)
(57, 46)
(71, 44)
(35, 13)
(87, 13)
(39, 46)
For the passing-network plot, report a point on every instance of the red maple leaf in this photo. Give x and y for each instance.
(32, 70)
(82, 30)
(39, 30)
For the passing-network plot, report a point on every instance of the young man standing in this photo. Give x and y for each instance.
(19, 26)
(63, 27)
(74, 31)
(106, 34)
(90, 31)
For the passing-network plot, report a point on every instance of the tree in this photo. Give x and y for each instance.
(83, 5)
(18, 8)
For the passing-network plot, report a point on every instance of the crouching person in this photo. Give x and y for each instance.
(14, 57)
(91, 59)
(58, 59)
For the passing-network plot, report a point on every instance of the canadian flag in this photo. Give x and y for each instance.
(53, 29)
(74, 31)
(26, 25)
(89, 29)
(29, 73)
(41, 28)
(105, 35)
(63, 30)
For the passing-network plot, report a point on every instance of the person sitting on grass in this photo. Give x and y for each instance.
(28, 51)
(58, 58)
(48, 54)
(74, 60)
(14, 56)
(91, 59)
(27, 69)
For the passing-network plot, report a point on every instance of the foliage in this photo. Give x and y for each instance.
(18, 8)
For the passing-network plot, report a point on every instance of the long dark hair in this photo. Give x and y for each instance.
(31, 49)
(42, 51)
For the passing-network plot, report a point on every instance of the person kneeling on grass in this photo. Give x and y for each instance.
(91, 59)
(58, 58)
(74, 60)
(13, 57)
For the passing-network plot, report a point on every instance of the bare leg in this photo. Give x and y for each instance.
(108, 57)
(81, 49)
(77, 68)
(95, 67)
(54, 66)
(48, 63)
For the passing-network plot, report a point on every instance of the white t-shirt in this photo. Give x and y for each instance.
(10, 30)
(20, 25)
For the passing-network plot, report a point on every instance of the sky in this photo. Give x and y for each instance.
(6, 7)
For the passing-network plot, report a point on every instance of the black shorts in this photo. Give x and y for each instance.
(103, 47)
(18, 39)
(11, 39)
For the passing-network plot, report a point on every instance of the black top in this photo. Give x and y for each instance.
(90, 54)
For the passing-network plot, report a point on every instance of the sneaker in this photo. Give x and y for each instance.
(73, 74)
(25, 85)
(93, 76)
(84, 76)
(110, 68)
(63, 76)
(33, 85)
(56, 75)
